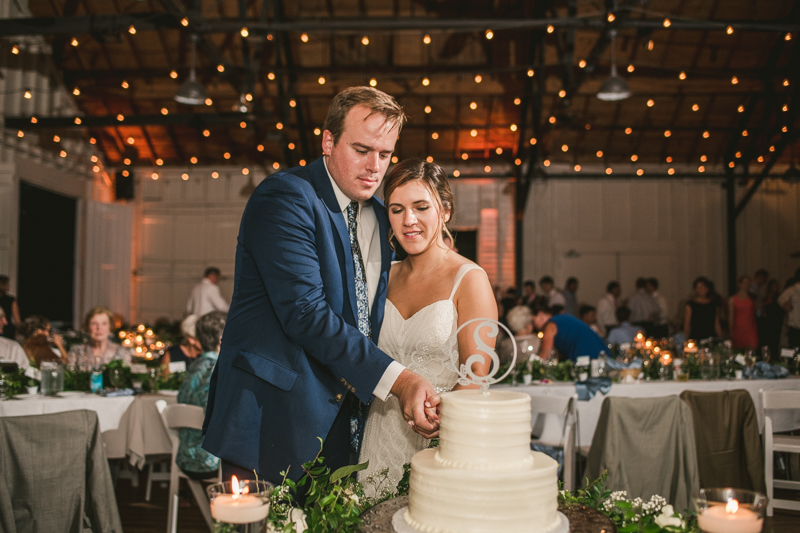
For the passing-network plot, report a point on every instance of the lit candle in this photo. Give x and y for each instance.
(237, 508)
(729, 519)
(691, 347)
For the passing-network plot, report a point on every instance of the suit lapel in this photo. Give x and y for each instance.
(379, 303)
(322, 184)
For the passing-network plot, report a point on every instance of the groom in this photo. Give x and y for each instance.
(299, 355)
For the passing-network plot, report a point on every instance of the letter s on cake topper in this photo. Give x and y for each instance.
(465, 374)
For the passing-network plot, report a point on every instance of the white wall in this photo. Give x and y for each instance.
(675, 230)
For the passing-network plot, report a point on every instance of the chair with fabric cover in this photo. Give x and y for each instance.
(563, 406)
(175, 417)
(647, 447)
(773, 401)
(54, 475)
(729, 451)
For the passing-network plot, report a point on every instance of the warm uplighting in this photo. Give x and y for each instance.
(304, 37)
(599, 153)
(682, 75)
(582, 63)
(426, 82)
(426, 39)
(489, 34)
(427, 109)
(478, 78)
(695, 107)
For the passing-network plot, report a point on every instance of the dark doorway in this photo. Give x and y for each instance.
(467, 243)
(46, 267)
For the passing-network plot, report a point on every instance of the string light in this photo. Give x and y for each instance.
(28, 95)
(734, 80)
(15, 49)
(365, 40)
(513, 127)
(95, 169)
(532, 141)
(473, 133)
(426, 39)
(518, 161)
(456, 173)
(20, 134)
(706, 135)
(650, 45)
(473, 105)
(206, 133)
(220, 68)
(126, 161)
(74, 42)
(93, 159)
(164, 111)
(394, 159)
(120, 117)
(276, 165)
(193, 160)
(731, 164)
(671, 171)
(744, 133)
(785, 108)
(703, 159)
(611, 17)
(76, 91)
(771, 148)
(244, 32)
(489, 34)
(426, 82)
(552, 120)
(159, 162)
(530, 73)
(701, 168)
(550, 29)
(304, 37)
(582, 63)
(608, 171)
(786, 82)
(577, 168)
(429, 159)
(650, 103)
(226, 155)
(564, 148)
(215, 175)
(185, 176)
(92, 140)
(628, 131)
(373, 82)
(271, 75)
(478, 78)
(317, 131)
(498, 151)
(738, 155)
(434, 135)
(634, 158)
(302, 162)
(669, 159)
(740, 109)
(125, 84)
(321, 80)
(784, 129)
(562, 93)
(464, 156)
(639, 172)
(695, 107)
(56, 139)
(279, 125)
(173, 74)
(185, 21)
(154, 175)
(761, 159)
(729, 30)
(667, 133)
(427, 109)
(517, 101)
(487, 168)
(788, 37)
(546, 162)
(631, 68)
(131, 140)
(245, 171)
(682, 75)
(260, 147)
(599, 153)
(34, 120)
(132, 30)
(667, 23)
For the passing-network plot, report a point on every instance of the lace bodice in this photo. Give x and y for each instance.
(418, 343)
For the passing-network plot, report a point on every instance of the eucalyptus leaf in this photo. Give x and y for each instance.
(347, 470)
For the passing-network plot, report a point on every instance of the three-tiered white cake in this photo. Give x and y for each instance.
(483, 477)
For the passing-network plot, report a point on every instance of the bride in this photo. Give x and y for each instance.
(431, 293)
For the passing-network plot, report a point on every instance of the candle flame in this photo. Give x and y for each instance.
(235, 487)
(732, 507)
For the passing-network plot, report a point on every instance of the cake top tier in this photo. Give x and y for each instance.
(485, 429)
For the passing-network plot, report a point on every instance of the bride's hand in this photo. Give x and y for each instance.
(432, 409)
(413, 391)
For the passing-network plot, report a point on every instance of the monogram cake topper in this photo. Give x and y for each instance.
(466, 376)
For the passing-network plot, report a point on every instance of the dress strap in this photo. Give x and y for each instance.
(460, 275)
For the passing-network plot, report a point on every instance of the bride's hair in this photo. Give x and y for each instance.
(434, 179)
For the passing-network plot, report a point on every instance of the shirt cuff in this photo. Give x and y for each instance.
(384, 387)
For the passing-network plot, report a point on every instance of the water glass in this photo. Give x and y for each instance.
(52, 377)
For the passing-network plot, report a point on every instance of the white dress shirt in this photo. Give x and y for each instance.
(369, 240)
(792, 294)
(205, 298)
(607, 311)
(13, 352)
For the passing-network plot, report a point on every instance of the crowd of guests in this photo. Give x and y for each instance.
(753, 318)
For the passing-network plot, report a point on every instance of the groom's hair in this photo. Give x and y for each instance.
(373, 99)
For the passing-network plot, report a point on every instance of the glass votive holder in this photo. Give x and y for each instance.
(240, 506)
(728, 510)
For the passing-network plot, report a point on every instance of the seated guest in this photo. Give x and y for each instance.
(11, 351)
(36, 330)
(99, 350)
(567, 334)
(625, 333)
(195, 462)
(189, 348)
(588, 314)
(519, 322)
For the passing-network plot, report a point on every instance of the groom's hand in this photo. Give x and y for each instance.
(416, 394)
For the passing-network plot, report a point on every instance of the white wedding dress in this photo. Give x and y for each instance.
(418, 343)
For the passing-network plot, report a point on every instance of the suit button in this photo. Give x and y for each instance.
(338, 397)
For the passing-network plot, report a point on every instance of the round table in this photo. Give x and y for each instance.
(582, 519)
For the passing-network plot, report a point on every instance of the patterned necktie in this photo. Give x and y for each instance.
(357, 410)
(362, 295)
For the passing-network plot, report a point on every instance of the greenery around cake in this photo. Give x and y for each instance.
(336, 500)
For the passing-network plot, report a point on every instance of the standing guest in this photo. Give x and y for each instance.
(520, 322)
(644, 308)
(662, 324)
(188, 349)
(299, 358)
(192, 459)
(607, 307)
(528, 292)
(98, 350)
(701, 319)
(37, 346)
(206, 296)
(772, 315)
(790, 301)
(571, 337)
(571, 296)
(758, 287)
(549, 291)
(588, 314)
(625, 333)
(742, 317)
(11, 351)
(10, 307)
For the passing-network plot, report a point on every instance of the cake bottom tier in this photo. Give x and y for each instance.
(458, 500)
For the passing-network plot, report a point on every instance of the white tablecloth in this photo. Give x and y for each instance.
(140, 431)
(589, 411)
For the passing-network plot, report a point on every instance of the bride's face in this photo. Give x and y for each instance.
(415, 217)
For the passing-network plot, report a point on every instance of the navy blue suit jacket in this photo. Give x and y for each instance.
(291, 337)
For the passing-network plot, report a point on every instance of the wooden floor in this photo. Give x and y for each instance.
(139, 516)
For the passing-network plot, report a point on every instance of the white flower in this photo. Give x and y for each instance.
(298, 518)
(666, 518)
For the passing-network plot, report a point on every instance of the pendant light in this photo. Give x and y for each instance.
(614, 88)
(191, 92)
